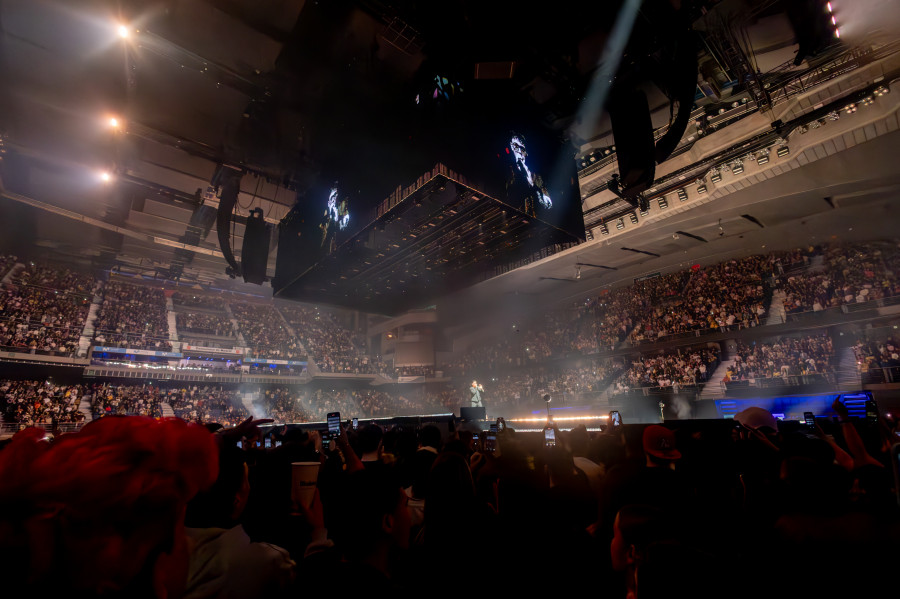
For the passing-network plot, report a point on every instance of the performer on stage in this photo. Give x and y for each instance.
(476, 390)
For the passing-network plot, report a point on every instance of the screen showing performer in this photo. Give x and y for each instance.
(476, 390)
(336, 218)
(525, 185)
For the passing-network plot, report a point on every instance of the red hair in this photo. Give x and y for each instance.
(93, 510)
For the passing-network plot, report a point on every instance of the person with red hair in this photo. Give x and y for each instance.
(101, 511)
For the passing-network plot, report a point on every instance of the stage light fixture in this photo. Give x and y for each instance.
(663, 203)
(104, 176)
(762, 158)
(604, 230)
(620, 224)
(738, 168)
(837, 33)
(633, 217)
(716, 177)
(682, 194)
(782, 151)
(701, 189)
(882, 90)
(645, 211)
(123, 32)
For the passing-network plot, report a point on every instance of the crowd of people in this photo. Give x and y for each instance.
(792, 360)
(132, 316)
(41, 320)
(264, 331)
(852, 274)
(207, 405)
(30, 402)
(878, 357)
(44, 310)
(163, 508)
(294, 405)
(674, 369)
(727, 296)
(108, 399)
(191, 300)
(329, 343)
(204, 323)
(424, 371)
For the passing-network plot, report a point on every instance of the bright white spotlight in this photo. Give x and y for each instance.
(123, 31)
(113, 122)
(105, 176)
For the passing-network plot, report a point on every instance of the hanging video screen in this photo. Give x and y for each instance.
(541, 181)
(335, 220)
(311, 231)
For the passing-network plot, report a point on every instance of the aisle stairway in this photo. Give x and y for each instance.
(817, 264)
(173, 327)
(238, 333)
(87, 334)
(776, 308)
(7, 279)
(247, 399)
(846, 371)
(713, 387)
(84, 406)
(166, 410)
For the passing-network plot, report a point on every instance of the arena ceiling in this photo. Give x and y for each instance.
(300, 94)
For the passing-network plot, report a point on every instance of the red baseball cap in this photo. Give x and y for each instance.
(660, 443)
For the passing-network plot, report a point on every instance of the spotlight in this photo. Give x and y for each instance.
(633, 217)
(577, 272)
(701, 189)
(828, 6)
(783, 151)
(604, 230)
(882, 90)
(837, 33)
(682, 194)
(762, 158)
(850, 108)
(122, 31)
(738, 168)
(105, 176)
(716, 177)
(620, 224)
(663, 203)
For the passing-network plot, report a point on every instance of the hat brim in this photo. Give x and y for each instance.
(672, 454)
